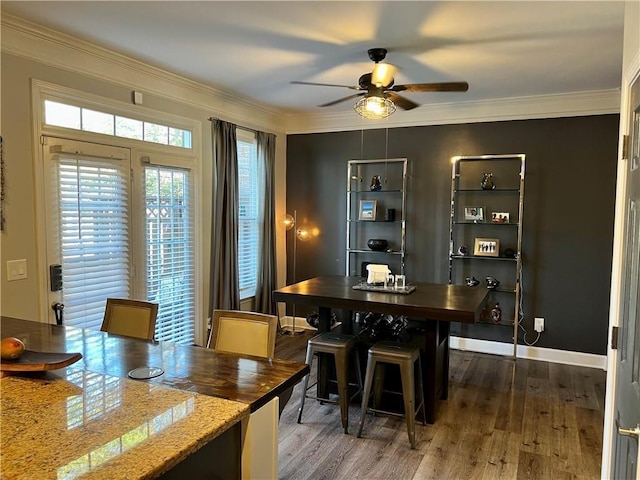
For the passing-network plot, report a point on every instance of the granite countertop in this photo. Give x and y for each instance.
(73, 423)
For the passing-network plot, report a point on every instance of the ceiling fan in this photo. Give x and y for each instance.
(379, 85)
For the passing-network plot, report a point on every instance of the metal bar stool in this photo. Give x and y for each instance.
(405, 356)
(340, 346)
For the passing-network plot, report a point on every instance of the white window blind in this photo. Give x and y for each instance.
(250, 214)
(94, 236)
(170, 252)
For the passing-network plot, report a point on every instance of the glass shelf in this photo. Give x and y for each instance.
(375, 191)
(479, 190)
(377, 222)
(364, 250)
(496, 224)
(476, 257)
(503, 323)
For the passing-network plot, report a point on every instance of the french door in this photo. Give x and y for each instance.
(88, 196)
(114, 229)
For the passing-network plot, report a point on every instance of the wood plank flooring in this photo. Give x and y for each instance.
(504, 419)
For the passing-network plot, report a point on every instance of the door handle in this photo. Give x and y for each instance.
(58, 308)
(629, 432)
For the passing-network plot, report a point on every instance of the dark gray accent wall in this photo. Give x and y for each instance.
(567, 223)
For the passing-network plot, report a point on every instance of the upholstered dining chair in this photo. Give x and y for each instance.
(132, 318)
(246, 333)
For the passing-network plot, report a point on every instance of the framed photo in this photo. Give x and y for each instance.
(486, 247)
(474, 214)
(499, 217)
(367, 210)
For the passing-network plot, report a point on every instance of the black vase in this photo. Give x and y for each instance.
(375, 183)
(377, 244)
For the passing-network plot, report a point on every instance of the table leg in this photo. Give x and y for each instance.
(324, 325)
(435, 365)
(429, 368)
(324, 319)
(445, 328)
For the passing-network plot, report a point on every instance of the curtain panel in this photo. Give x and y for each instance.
(225, 290)
(267, 267)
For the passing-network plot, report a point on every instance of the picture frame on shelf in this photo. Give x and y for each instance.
(474, 214)
(367, 210)
(486, 247)
(499, 217)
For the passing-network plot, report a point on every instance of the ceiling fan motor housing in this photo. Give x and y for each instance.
(377, 54)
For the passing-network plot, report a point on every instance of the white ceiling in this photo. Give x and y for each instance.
(254, 49)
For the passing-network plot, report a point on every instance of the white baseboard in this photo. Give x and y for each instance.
(532, 353)
(498, 348)
(301, 323)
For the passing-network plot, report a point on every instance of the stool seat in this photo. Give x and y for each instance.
(405, 356)
(393, 352)
(340, 346)
(332, 341)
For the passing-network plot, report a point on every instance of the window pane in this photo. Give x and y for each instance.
(249, 217)
(69, 116)
(170, 261)
(98, 122)
(128, 128)
(179, 138)
(61, 115)
(156, 133)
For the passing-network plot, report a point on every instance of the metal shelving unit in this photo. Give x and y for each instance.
(389, 200)
(493, 217)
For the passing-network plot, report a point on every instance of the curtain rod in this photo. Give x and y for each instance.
(211, 119)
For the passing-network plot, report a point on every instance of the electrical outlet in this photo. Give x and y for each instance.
(538, 324)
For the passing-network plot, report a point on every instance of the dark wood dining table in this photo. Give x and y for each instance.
(433, 306)
(254, 381)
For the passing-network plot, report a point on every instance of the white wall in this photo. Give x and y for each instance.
(31, 52)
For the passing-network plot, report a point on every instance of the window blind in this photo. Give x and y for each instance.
(250, 207)
(170, 252)
(94, 233)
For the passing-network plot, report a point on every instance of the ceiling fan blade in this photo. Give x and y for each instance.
(402, 102)
(382, 74)
(344, 99)
(352, 87)
(432, 87)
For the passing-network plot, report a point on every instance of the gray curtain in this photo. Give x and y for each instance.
(267, 267)
(225, 290)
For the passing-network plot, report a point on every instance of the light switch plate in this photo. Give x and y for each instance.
(16, 270)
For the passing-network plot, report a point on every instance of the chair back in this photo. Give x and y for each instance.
(245, 333)
(132, 318)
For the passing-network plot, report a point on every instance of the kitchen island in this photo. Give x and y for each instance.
(74, 423)
(250, 384)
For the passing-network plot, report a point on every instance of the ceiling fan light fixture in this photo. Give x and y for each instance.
(373, 107)
(382, 74)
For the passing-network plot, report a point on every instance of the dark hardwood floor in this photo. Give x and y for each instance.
(504, 419)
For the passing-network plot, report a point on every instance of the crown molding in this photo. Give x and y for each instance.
(56, 49)
(50, 47)
(500, 109)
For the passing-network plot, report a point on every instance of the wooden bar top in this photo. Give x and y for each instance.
(430, 301)
(250, 380)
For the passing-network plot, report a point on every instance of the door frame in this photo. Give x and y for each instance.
(610, 429)
(191, 159)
